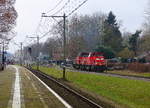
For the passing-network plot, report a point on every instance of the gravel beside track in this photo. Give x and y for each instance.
(113, 74)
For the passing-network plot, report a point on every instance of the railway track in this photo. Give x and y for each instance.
(75, 99)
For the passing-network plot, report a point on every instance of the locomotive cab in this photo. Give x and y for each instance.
(97, 61)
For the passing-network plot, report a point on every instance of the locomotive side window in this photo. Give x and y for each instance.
(96, 54)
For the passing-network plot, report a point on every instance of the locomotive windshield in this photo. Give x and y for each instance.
(84, 54)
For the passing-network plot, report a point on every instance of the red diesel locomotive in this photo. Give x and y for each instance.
(92, 61)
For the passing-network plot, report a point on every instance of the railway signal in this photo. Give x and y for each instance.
(37, 58)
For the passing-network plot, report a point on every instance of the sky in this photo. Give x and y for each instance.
(129, 12)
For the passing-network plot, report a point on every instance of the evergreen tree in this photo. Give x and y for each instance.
(111, 20)
(133, 42)
(107, 52)
(111, 34)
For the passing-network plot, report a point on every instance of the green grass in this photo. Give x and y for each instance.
(131, 93)
(126, 72)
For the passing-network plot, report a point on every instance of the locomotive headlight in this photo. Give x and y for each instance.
(102, 58)
(99, 58)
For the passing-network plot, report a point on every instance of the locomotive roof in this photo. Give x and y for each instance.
(89, 53)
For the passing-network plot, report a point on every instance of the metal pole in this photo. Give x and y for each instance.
(64, 40)
(37, 52)
(21, 54)
(64, 26)
(76, 26)
(102, 33)
(3, 57)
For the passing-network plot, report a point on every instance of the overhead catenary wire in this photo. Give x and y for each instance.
(59, 23)
(43, 27)
(45, 34)
(43, 30)
(13, 42)
(77, 8)
(40, 26)
(67, 3)
(55, 6)
(62, 7)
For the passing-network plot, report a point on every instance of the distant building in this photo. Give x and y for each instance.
(58, 54)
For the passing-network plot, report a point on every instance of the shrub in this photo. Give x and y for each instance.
(138, 67)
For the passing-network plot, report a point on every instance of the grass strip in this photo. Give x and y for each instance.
(131, 93)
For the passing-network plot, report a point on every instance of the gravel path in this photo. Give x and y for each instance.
(114, 75)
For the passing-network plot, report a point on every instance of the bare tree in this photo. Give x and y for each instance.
(83, 34)
(146, 25)
(145, 40)
(8, 15)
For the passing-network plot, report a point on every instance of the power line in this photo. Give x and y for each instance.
(55, 6)
(39, 24)
(43, 27)
(59, 23)
(77, 8)
(62, 7)
(45, 34)
(13, 42)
